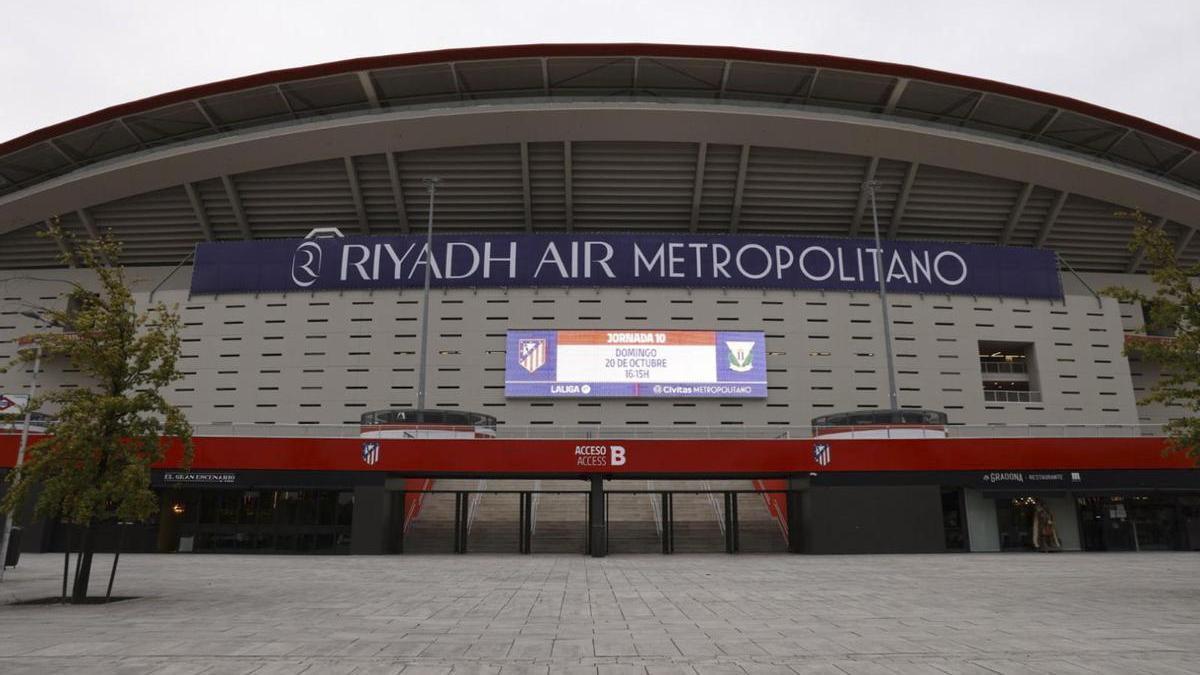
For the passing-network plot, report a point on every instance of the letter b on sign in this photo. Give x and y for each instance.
(617, 455)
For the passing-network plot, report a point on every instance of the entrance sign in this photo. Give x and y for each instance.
(635, 363)
(13, 404)
(624, 260)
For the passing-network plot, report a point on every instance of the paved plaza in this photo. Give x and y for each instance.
(1068, 613)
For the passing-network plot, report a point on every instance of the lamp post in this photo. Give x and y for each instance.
(430, 187)
(8, 520)
(893, 398)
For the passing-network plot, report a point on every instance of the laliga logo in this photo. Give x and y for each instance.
(306, 264)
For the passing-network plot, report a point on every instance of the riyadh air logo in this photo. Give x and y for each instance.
(822, 454)
(306, 264)
(740, 358)
(531, 353)
(370, 452)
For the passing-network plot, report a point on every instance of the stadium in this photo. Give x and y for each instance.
(654, 318)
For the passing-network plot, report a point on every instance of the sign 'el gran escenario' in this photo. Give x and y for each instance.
(620, 260)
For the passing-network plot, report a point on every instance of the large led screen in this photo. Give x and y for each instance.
(635, 364)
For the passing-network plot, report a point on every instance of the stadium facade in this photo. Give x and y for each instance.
(708, 196)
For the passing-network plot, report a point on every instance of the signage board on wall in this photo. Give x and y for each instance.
(13, 404)
(635, 364)
(624, 260)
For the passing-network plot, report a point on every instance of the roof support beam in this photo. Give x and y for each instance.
(67, 254)
(236, 202)
(208, 116)
(458, 88)
(92, 230)
(198, 209)
(974, 107)
(724, 79)
(88, 223)
(545, 76)
(568, 200)
(129, 130)
(526, 187)
(698, 184)
(1044, 125)
(1183, 157)
(1014, 216)
(1116, 141)
(61, 151)
(1184, 241)
(894, 96)
(861, 207)
(1052, 216)
(368, 87)
(360, 209)
(812, 85)
(1140, 254)
(637, 66)
(902, 200)
(397, 191)
(286, 103)
(735, 215)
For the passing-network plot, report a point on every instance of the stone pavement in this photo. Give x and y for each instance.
(1069, 613)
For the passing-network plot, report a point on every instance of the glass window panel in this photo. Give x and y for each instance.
(228, 503)
(345, 508)
(249, 507)
(208, 507)
(326, 507)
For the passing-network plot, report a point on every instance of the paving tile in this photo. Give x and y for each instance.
(691, 614)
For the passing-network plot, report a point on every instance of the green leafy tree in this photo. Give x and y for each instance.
(1172, 315)
(94, 464)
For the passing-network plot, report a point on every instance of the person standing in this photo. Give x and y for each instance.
(1045, 534)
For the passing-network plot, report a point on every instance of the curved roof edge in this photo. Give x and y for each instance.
(597, 49)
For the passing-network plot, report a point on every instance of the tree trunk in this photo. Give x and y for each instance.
(83, 569)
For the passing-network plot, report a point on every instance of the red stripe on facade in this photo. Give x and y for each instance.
(679, 456)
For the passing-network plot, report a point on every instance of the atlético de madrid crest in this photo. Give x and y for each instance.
(822, 454)
(531, 353)
(370, 452)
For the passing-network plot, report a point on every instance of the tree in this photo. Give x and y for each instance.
(1172, 315)
(94, 463)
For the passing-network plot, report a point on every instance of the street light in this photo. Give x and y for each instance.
(893, 398)
(37, 366)
(431, 187)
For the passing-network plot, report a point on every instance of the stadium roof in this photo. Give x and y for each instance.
(594, 136)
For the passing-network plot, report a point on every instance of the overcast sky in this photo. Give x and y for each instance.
(62, 59)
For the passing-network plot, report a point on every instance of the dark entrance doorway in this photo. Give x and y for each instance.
(595, 516)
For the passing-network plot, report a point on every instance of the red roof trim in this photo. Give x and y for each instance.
(615, 50)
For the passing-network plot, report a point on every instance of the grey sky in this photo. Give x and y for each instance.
(64, 59)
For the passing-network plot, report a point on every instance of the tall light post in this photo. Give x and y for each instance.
(893, 398)
(8, 520)
(430, 187)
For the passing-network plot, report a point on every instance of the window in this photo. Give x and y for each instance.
(1009, 372)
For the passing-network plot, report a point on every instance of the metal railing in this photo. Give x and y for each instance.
(1004, 368)
(1011, 396)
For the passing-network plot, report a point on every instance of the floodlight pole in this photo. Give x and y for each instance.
(8, 520)
(431, 187)
(893, 397)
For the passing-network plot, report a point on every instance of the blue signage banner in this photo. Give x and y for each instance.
(624, 260)
(635, 364)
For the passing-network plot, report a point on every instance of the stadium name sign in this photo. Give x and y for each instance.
(617, 260)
